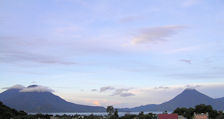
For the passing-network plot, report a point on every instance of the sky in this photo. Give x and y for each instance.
(124, 53)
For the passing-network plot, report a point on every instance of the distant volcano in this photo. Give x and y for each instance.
(188, 98)
(36, 98)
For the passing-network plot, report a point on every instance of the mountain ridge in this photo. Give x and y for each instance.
(188, 98)
(45, 101)
(42, 102)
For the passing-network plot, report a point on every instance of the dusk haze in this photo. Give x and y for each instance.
(128, 55)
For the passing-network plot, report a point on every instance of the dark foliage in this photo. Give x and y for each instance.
(7, 113)
(189, 112)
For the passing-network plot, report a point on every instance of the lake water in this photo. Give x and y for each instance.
(98, 113)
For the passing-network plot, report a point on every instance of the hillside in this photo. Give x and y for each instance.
(6, 112)
(188, 98)
(42, 102)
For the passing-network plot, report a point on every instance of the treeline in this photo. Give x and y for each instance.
(113, 114)
(141, 115)
(186, 112)
(9, 113)
(199, 109)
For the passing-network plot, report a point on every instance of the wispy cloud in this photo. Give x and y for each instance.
(155, 34)
(33, 88)
(126, 94)
(20, 56)
(44, 51)
(16, 50)
(94, 90)
(186, 61)
(128, 19)
(162, 87)
(193, 86)
(15, 87)
(122, 92)
(37, 89)
(106, 88)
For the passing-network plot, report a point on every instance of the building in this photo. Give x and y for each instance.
(181, 117)
(167, 116)
(200, 116)
(53, 117)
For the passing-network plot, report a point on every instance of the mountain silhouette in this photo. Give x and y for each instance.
(42, 102)
(46, 101)
(188, 98)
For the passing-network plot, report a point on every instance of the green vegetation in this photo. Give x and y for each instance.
(7, 113)
(189, 112)
(141, 115)
(112, 113)
(79, 116)
(110, 110)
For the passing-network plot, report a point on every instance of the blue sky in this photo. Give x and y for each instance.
(113, 52)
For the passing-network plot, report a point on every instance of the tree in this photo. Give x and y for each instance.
(165, 112)
(116, 114)
(7, 112)
(151, 116)
(202, 108)
(186, 112)
(141, 115)
(189, 112)
(110, 110)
